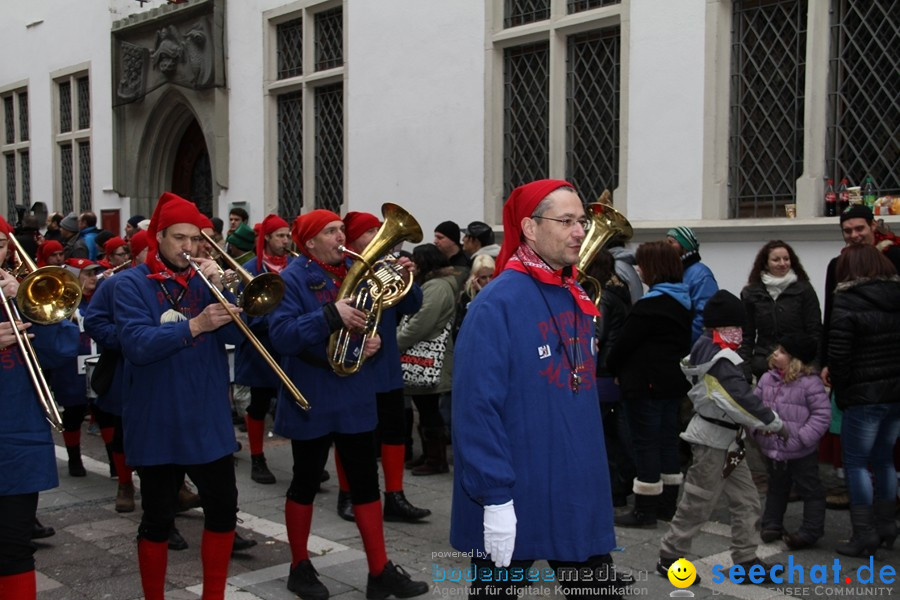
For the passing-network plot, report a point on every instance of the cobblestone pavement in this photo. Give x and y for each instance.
(93, 554)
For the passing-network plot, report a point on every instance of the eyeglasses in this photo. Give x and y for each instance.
(120, 253)
(569, 223)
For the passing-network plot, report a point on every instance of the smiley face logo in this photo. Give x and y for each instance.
(682, 573)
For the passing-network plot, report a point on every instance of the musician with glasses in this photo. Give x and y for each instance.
(176, 415)
(530, 478)
(29, 460)
(343, 408)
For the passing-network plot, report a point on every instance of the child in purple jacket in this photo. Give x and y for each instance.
(793, 389)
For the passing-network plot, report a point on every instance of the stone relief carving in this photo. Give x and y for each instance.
(133, 71)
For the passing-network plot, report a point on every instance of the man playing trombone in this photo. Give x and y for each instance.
(29, 460)
(173, 328)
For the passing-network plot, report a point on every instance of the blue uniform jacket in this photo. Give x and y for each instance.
(100, 324)
(386, 362)
(68, 384)
(27, 457)
(176, 407)
(298, 328)
(525, 434)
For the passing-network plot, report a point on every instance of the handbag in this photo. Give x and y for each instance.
(102, 377)
(423, 361)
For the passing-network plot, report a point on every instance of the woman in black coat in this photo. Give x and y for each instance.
(864, 365)
(645, 359)
(779, 300)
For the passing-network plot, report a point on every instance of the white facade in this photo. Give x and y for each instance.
(420, 87)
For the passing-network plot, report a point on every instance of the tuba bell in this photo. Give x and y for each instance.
(606, 224)
(375, 283)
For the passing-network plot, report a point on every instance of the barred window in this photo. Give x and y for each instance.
(575, 6)
(73, 142)
(526, 118)
(308, 107)
(768, 71)
(520, 12)
(863, 103)
(15, 149)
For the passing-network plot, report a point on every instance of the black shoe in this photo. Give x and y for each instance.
(663, 564)
(176, 542)
(345, 507)
(395, 581)
(76, 467)
(38, 531)
(304, 582)
(752, 563)
(770, 535)
(259, 471)
(795, 541)
(241, 543)
(398, 508)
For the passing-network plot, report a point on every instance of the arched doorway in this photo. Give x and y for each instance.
(192, 174)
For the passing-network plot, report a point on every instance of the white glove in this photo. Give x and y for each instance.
(500, 532)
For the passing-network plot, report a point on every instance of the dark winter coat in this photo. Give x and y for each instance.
(864, 342)
(795, 311)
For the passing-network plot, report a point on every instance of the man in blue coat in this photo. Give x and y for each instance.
(176, 414)
(531, 478)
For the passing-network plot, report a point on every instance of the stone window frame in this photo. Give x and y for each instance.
(19, 149)
(307, 83)
(75, 138)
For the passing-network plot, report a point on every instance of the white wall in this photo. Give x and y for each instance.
(416, 109)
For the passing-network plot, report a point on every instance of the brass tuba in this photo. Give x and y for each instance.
(606, 224)
(374, 283)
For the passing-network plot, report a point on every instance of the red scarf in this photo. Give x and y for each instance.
(160, 272)
(525, 260)
(275, 264)
(337, 272)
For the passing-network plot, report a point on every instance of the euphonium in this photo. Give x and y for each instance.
(374, 283)
(607, 224)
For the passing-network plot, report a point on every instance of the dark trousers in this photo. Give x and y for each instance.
(429, 410)
(16, 551)
(73, 417)
(803, 475)
(391, 417)
(159, 496)
(260, 401)
(357, 453)
(602, 583)
(654, 430)
(619, 448)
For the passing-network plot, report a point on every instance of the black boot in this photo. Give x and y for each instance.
(176, 542)
(345, 507)
(112, 464)
(865, 540)
(304, 582)
(643, 515)
(259, 470)
(395, 581)
(434, 440)
(241, 543)
(76, 467)
(418, 462)
(398, 508)
(885, 521)
(38, 531)
(668, 503)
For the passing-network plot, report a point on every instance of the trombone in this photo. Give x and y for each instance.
(298, 397)
(261, 294)
(47, 295)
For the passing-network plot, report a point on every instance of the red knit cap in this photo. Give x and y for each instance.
(308, 226)
(269, 225)
(138, 242)
(112, 244)
(520, 204)
(357, 223)
(45, 250)
(4, 227)
(172, 209)
(205, 223)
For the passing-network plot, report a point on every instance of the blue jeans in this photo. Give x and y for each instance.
(868, 434)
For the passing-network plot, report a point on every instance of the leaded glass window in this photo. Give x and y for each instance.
(526, 105)
(520, 12)
(25, 167)
(73, 141)
(768, 66)
(23, 117)
(84, 175)
(329, 107)
(68, 191)
(575, 6)
(863, 98)
(10, 187)
(592, 111)
(84, 103)
(15, 177)
(329, 47)
(290, 154)
(65, 107)
(290, 48)
(9, 119)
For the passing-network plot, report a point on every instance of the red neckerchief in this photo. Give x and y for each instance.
(337, 272)
(275, 264)
(525, 260)
(721, 343)
(160, 272)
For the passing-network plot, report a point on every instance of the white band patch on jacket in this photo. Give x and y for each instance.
(544, 351)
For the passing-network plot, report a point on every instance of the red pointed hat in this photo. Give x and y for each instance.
(4, 227)
(520, 204)
(112, 244)
(308, 226)
(45, 250)
(270, 224)
(138, 242)
(357, 223)
(172, 209)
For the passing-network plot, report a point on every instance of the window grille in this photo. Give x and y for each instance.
(329, 46)
(520, 12)
(290, 154)
(23, 116)
(768, 64)
(15, 177)
(526, 123)
(290, 48)
(68, 192)
(576, 6)
(863, 99)
(84, 103)
(592, 111)
(11, 188)
(65, 107)
(84, 175)
(329, 107)
(9, 119)
(25, 165)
